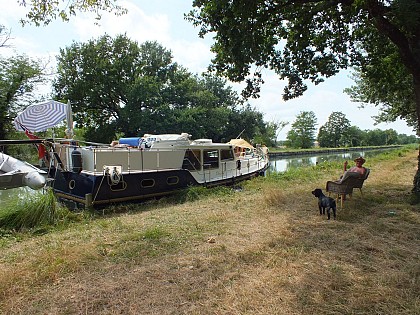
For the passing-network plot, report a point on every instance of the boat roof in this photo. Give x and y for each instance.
(166, 137)
(241, 143)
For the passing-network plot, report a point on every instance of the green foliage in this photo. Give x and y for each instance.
(405, 139)
(302, 133)
(388, 85)
(36, 211)
(337, 132)
(119, 87)
(96, 77)
(334, 133)
(19, 76)
(354, 136)
(195, 193)
(373, 137)
(308, 41)
(314, 38)
(104, 134)
(45, 11)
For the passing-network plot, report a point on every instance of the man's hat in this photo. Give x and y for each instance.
(362, 160)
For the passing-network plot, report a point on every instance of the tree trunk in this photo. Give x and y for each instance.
(416, 186)
(3, 123)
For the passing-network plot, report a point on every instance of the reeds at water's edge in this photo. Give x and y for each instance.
(39, 209)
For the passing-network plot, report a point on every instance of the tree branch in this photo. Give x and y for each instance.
(385, 27)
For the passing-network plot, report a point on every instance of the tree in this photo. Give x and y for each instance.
(119, 87)
(19, 76)
(404, 139)
(45, 11)
(302, 133)
(307, 39)
(310, 40)
(272, 131)
(97, 77)
(394, 97)
(355, 136)
(375, 137)
(333, 132)
(391, 137)
(246, 122)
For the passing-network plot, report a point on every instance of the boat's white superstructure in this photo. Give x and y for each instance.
(136, 168)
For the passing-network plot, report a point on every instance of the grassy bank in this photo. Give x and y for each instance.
(260, 250)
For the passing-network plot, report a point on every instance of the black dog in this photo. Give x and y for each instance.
(325, 202)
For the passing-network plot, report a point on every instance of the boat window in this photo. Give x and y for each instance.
(172, 180)
(147, 183)
(226, 154)
(210, 159)
(192, 160)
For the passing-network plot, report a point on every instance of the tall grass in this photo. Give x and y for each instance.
(42, 210)
(265, 250)
(38, 210)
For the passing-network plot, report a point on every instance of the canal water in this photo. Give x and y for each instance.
(278, 164)
(283, 163)
(8, 195)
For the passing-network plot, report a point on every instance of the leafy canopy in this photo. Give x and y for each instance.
(302, 132)
(44, 11)
(333, 132)
(386, 83)
(310, 40)
(119, 87)
(19, 77)
(299, 40)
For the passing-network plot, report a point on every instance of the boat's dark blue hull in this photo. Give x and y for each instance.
(97, 190)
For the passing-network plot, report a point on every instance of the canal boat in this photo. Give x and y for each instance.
(15, 173)
(138, 168)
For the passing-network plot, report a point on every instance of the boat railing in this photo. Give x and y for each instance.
(189, 165)
(98, 155)
(74, 142)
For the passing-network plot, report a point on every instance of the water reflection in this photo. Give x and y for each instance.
(8, 195)
(281, 164)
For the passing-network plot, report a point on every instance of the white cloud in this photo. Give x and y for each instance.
(194, 55)
(11, 11)
(136, 24)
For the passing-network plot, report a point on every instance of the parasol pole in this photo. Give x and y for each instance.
(69, 118)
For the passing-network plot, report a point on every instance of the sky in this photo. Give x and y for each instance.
(163, 21)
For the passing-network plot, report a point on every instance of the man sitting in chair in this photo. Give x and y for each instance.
(358, 168)
(356, 171)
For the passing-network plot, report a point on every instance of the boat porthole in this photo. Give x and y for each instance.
(146, 183)
(172, 180)
(72, 184)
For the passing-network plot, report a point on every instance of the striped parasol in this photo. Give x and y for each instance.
(41, 116)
